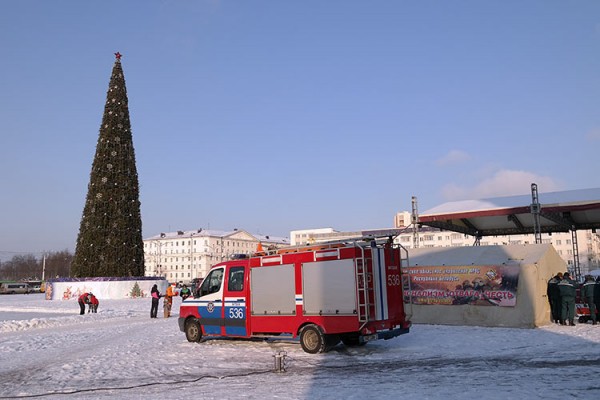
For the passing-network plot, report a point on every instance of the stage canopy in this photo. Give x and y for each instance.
(558, 212)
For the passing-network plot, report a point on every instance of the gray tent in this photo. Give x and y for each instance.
(482, 285)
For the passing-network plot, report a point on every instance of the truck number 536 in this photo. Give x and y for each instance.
(393, 280)
(236, 313)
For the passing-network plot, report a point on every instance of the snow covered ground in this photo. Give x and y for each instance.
(48, 350)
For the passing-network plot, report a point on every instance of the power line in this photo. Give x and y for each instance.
(178, 382)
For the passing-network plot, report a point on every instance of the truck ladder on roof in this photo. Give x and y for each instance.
(362, 291)
(406, 286)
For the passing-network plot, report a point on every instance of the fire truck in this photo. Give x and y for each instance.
(323, 294)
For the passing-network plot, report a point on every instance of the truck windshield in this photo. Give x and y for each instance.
(212, 283)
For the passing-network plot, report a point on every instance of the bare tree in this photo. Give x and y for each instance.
(28, 267)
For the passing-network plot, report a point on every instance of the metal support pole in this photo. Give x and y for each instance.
(576, 266)
(535, 211)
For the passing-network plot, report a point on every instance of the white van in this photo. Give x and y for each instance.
(14, 288)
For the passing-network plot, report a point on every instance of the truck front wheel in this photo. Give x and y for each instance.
(312, 339)
(193, 332)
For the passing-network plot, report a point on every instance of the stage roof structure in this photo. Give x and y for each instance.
(557, 212)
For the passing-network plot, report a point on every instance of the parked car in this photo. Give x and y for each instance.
(14, 288)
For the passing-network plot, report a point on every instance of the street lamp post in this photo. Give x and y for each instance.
(192, 272)
(157, 257)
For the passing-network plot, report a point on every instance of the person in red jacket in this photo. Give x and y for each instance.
(93, 304)
(83, 300)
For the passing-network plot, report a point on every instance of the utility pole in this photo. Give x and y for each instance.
(415, 222)
(44, 267)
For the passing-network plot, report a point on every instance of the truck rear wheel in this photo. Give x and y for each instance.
(312, 339)
(193, 332)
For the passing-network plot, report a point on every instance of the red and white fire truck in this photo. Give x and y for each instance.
(350, 292)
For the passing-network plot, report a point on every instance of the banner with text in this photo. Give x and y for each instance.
(483, 285)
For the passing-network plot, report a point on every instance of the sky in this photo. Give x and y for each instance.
(272, 116)
(122, 353)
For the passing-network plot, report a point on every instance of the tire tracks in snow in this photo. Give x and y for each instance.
(44, 361)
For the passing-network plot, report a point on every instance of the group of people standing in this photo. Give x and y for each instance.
(562, 293)
(90, 300)
(167, 299)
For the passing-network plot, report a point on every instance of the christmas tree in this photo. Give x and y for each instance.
(110, 235)
(136, 291)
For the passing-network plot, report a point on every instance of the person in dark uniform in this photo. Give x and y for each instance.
(568, 291)
(597, 294)
(553, 293)
(587, 295)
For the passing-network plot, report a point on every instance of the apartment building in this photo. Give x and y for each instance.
(181, 256)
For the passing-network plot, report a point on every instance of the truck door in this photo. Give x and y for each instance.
(235, 302)
(210, 305)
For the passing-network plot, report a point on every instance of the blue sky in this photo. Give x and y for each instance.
(272, 116)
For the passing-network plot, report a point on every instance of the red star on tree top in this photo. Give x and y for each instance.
(118, 55)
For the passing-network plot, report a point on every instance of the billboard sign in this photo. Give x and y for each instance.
(480, 285)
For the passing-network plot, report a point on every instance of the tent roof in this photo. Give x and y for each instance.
(559, 212)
